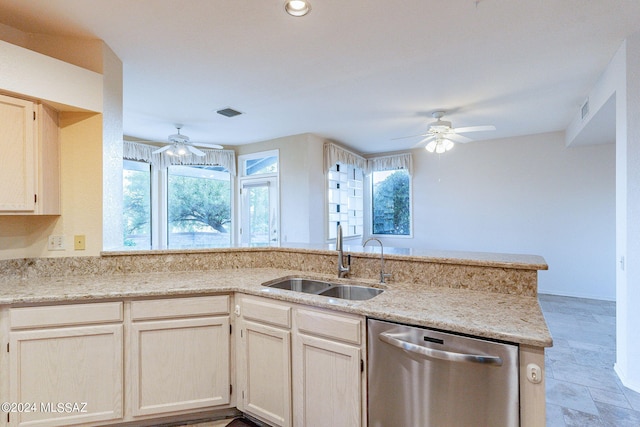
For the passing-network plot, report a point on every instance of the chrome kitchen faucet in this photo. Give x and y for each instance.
(342, 270)
(383, 275)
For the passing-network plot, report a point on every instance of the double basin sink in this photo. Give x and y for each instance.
(327, 289)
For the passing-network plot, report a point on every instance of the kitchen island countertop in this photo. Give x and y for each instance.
(506, 317)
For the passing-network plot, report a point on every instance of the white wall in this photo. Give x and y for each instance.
(301, 186)
(48, 79)
(628, 226)
(528, 195)
(621, 81)
(31, 74)
(112, 235)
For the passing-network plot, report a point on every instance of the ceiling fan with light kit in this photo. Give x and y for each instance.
(441, 135)
(180, 145)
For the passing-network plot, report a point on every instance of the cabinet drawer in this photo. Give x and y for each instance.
(329, 325)
(266, 311)
(65, 315)
(180, 307)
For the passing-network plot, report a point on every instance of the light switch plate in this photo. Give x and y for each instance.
(55, 243)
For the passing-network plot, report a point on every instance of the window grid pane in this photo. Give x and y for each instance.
(345, 206)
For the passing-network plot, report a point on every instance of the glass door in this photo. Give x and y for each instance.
(259, 212)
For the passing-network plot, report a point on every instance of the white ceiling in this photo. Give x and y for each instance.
(359, 72)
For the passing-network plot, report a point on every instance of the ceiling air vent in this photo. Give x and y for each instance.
(229, 112)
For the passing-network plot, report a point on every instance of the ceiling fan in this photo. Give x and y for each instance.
(181, 146)
(441, 135)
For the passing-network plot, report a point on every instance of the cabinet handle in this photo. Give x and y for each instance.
(449, 356)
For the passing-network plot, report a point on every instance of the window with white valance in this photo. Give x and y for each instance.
(177, 202)
(391, 195)
(390, 178)
(391, 162)
(335, 154)
(345, 176)
(145, 153)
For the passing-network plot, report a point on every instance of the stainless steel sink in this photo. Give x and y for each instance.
(351, 292)
(307, 286)
(319, 287)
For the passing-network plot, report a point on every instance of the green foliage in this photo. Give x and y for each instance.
(258, 198)
(136, 200)
(391, 205)
(196, 204)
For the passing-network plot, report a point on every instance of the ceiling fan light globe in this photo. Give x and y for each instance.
(431, 147)
(440, 149)
(181, 149)
(448, 145)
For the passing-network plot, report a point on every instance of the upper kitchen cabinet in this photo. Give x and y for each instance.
(31, 158)
(17, 143)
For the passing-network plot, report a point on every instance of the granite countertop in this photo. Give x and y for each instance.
(485, 259)
(504, 317)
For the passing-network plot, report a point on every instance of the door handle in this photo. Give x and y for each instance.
(449, 356)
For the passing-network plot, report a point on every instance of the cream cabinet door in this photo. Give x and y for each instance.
(327, 383)
(179, 365)
(70, 375)
(264, 372)
(17, 144)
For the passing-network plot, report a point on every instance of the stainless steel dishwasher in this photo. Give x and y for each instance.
(423, 378)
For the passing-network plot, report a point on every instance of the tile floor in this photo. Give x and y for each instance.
(582, 388)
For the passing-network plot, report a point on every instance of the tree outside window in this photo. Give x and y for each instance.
(391, 203)
(199, 205)
(137, 204)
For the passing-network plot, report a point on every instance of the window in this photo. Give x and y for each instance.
(177, 202)
(259, 199)
(344, 196)
(262, 163)
(199, 207)
(391, 202)
(137, 204)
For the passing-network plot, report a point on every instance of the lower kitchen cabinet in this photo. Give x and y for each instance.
(328, 367)
(179, 355)
(105, 363)
(300, 366)
(63, 368)
(264, 359)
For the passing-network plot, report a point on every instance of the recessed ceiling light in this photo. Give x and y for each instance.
(297, 7)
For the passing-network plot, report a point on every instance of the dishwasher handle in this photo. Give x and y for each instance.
(392, 339)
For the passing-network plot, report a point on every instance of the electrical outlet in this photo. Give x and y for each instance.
(56, 243)
(79, 242)
(534, 373)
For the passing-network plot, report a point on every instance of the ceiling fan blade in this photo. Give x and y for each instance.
(412, 136)
(422, 141)
(458, 138)
(160, 150)
(207, 145)
(474, 129)
(195, 151)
